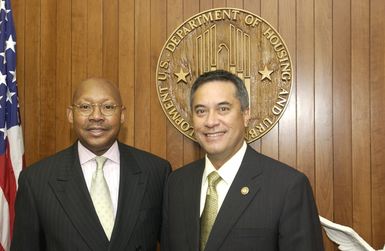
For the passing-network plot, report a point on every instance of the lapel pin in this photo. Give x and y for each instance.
(244, 190)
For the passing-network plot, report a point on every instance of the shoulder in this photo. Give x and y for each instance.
(143, 158)
(273, 169)
(188, 171)
(66, 154)
(45, 168)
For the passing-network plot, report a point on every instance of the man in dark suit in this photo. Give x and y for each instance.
(235, 199)
(98, 194)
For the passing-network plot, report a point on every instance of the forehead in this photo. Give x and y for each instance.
(96, 90)
(215, 91)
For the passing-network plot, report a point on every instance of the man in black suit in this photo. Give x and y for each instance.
(98, 194)
(235, 199)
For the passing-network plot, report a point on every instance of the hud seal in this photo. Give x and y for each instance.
(234, 40)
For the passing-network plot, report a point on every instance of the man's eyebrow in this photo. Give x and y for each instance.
(225, 103)
(198, 106)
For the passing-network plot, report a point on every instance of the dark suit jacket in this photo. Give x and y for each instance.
(278, 213)
(54, 210)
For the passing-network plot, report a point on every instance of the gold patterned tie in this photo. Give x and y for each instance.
(210, 210)
(101, 197)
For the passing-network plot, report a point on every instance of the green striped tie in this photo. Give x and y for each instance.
(211, 208)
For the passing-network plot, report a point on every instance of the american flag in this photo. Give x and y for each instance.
(11, 138)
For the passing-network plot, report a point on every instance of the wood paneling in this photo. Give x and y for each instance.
(143, 82)
(305, 88)
(95, 38)
(63, 73)
(47, 73)
(126, 67)
(361, 118)
(32, 82)
(377, 119)
(323, 108)
(333, 128)
(342, 121)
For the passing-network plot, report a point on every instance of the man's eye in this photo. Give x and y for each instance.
(224, 108)
(85, 107)
(199, 111)
(108, 107)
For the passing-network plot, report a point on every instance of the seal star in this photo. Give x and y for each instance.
(266, 73)
(182, 76)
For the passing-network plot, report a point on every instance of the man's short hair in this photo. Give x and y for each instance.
(222, 75)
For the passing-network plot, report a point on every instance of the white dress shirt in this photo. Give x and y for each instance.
(111, 169)
(227, 172)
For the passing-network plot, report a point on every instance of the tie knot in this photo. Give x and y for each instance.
(100, 160)
(213, 179)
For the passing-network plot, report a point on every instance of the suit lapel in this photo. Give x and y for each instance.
(191, 197)
(249, 175)
(71, 191)
(131, 191)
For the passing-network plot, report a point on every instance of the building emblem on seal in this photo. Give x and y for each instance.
(234, 40)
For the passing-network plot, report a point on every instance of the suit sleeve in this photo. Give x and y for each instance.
(299, 227)
(26, 233)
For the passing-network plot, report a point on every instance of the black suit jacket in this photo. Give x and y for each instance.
(278, 213)
(54, 210)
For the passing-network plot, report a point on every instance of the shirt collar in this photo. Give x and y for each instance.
(229, 169)
(86, 155)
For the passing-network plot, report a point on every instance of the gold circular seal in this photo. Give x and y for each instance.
(234, 40)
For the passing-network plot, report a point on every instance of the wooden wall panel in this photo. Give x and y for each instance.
(219, 3)
(235, 3)
(158, 36)
(305, 88)
(377, 118)
(63, 73)
(205, 5)
(142, 76)
(95, 38)
(48, 73)
(342, 121)
(126, 67)
(361, 118)
(333, 129)
(79, 42)
(32, 93)
(323, 110)
(111, 37)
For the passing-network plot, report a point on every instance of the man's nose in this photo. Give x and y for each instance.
(211, 119)
(96, 112)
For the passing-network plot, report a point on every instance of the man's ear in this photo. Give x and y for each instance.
(246, 116)
(70, 115)
(123, 115)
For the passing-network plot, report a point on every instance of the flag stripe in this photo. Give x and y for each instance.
(8, 186)
(16, 149)
(8, 189)
(7, 177)
(4, 222)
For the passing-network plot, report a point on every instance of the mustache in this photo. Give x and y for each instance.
(96, 125)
